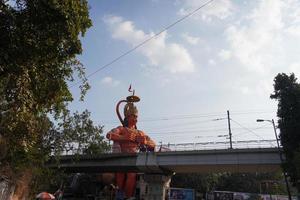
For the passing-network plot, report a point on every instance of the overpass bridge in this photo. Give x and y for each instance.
(201, 161)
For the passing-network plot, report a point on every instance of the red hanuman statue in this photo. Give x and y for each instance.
(129, 139)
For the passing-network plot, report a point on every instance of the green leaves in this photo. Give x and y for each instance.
(39, 42)
(287, 93)
(77, 134)
(237, 182)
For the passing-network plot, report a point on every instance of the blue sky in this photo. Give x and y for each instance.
(224, 57)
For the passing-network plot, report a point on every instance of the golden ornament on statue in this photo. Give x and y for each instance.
(129, 108)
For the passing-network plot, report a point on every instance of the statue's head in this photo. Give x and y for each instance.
(131, 115)
(130, 109)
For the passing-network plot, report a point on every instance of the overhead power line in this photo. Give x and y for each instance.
(217, 116)
(247, 112)
(266, 126)
(186, 117)
(145, 41)
(175, 118)
(184, 131)
(187, 131)
(189, 124)
(248, 129)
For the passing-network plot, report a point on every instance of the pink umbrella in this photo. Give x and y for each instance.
(45, 196)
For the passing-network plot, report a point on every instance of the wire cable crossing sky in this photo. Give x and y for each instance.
(145, 41)
(222, 58)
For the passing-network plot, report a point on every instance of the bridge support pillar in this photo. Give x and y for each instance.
(157, 186)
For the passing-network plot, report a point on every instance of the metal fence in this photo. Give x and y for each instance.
(217, 145)
(248, 144)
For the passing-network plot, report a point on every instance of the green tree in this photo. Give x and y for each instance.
(287, 93)
(252, 182)
(200, 182)
(76, 134)
(237, 182)
(39, 41)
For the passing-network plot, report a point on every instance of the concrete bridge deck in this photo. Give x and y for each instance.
(203, 161)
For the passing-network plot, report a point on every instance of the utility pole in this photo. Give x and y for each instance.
(280, 156)
(281, 159)
(229, 129)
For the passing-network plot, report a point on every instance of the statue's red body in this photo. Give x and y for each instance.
(128, 139)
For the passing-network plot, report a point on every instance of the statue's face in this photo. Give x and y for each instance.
(132, 120)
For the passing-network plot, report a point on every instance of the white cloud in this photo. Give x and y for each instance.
(294, 12)
(253, 87)
(110, 81)
(211, 62)
(220, 9)
(260, 43)
(224, 54)
(245, 90)
(295, 68)
(294, 31)
(172, 57)
(190, 39)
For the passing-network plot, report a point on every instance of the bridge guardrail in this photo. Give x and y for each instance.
(217, 145)
(247, 144)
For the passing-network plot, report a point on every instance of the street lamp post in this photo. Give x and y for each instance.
(280, 154)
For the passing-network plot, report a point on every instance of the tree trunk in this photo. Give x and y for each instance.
(13, 187)
(22, 186)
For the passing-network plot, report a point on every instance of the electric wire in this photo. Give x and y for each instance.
(248, 130)
(218, 115)
(236, 135)
(266, 126)
(184, 124)
(202, 130)
(185, 116)
(251, 112)
(171, 128)
(192, 127)
(173, 118)
(178, 118)
(190, 131)
(144, 42)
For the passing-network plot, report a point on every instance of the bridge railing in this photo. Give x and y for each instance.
(248, 144)
(217, 145)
